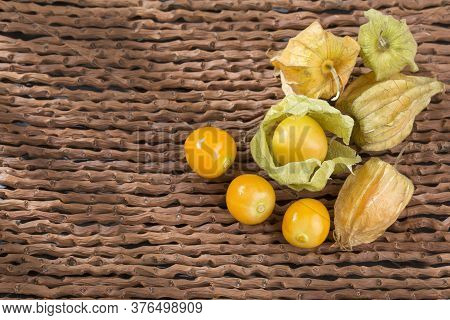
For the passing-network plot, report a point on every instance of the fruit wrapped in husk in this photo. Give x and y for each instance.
(384, 111)
(316, 63)
(369, 202)
(311, 174)
(387, 45)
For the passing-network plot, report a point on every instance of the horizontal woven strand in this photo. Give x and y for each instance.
(97, 200)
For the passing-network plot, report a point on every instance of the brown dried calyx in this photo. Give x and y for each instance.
(369, 202)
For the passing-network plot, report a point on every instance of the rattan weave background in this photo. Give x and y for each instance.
(96, 99)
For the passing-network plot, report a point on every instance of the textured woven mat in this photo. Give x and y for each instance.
(96, 100)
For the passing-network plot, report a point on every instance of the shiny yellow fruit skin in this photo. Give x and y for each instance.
(306, 223)
(210, 151)
(298, 138)
(250, 199)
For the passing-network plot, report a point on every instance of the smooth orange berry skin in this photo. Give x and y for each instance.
(250, 199)
(298, 138)
(210, 151)
(306, 223)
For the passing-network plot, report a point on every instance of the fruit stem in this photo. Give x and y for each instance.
(301, 237)
(383, 44)
(337, 82)
(260, 208)
(398, 159)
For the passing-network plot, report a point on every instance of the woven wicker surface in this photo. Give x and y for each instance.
(96, 100)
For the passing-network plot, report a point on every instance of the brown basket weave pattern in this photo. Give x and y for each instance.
(96, 200)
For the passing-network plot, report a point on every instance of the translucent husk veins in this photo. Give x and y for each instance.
(369, 202)
(384, 111)
(387, 45)
(316, 63)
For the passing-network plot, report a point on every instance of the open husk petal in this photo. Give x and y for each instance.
(311, 174)
(387, 45)
(316, 63)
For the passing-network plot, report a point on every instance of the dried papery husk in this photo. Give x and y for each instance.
(316, 63)
(387, 45)
(369, 202)
(384, 111)
(311, 174)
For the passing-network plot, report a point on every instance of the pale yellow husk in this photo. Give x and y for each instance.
(384, 111)
(369, 202)
(316, 63)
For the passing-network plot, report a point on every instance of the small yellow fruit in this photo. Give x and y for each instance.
(250, 199)
(306, 223)
(298, 138)
(210, 151)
